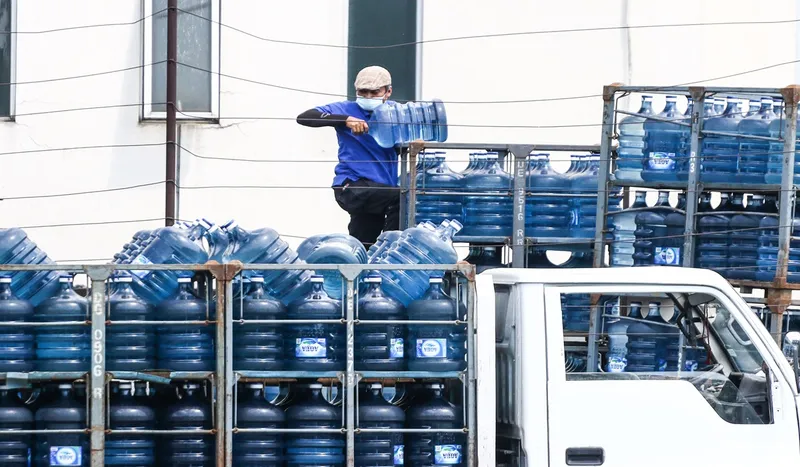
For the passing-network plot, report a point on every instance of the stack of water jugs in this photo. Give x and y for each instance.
(558, 204)
(309, 346)
(658, 150)
(738, 238)
(642, 340)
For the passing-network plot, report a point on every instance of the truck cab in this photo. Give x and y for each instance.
(628, 367)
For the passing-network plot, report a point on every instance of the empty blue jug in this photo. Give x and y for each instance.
(68, 347)
(17, 248)
(394, 123)
(16, 343)
(333, 249)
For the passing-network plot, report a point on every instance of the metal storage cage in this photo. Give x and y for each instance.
(515, 160)
(220, 277)
(778, 291)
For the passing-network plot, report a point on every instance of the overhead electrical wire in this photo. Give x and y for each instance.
(86, 26)
(492, 35)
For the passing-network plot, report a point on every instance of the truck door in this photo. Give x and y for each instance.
(657, 397)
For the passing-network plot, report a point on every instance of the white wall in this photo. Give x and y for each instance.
(515, 67)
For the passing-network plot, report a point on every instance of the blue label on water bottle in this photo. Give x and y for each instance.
(141, 259)
(398, 454)
(690, 365)
(617, 364)
(661, 161)
(396, 348)
(662, 365)
(448, 454)
(431, 348)
(65, 455)
(310, 347)
(669, 256)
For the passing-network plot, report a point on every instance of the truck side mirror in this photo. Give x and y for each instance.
(791, 350)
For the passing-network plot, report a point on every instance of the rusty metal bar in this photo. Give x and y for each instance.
(790, 97)
(604, 173)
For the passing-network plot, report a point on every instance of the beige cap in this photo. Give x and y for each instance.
(372, 78)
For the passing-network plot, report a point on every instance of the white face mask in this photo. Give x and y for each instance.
(369, 104)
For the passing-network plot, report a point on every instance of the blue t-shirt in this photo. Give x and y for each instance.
(360, 156)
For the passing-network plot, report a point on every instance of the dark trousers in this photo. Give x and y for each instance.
(373, 208)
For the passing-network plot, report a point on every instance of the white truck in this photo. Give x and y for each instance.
(541, 403)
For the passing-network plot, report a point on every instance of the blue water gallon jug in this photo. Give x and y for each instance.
(617, 329)
(334, 249)
(668, 250)
(169, 245)
(379, 347)
(265, 246)
(744, 239)
(17, 248)
(384, 241)
(650, 226)
(436, 347)
(632, 144)
(583, 206)
(664, 141)
(310, 410)
(576, 311)
(624, 229)
(547, 204)
(258, 346)
(379, 449)
(777, 129)
(754, 153)
(192, 411)
(63, 348)
(417, 245)
(315, 346)
(130, 246)
(488, 207)
(643, 347)
(485, 257)
(15, 450)
(218, 241)
(128, 414)
(253, 411)
(129, 347)
(720, 154)
(439, 179)
(16, 342)
(712, 240)
(432, 411)
(394, 123)
(64, 410)
(768, 249)
(185, 347)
